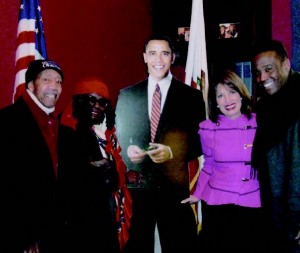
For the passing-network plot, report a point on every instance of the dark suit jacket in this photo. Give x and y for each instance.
(183, 110)
(276, 156)
(31, 196)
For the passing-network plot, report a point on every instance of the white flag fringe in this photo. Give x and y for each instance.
(196, 73)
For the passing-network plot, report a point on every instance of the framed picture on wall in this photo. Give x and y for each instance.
(184, 33)
(181, 45)
(229, 30)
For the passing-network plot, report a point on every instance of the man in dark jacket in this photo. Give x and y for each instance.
(32, 214)
(276, 151)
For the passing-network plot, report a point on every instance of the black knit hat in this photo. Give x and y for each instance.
(37, 66)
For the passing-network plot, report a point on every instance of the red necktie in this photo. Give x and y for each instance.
(155, 111)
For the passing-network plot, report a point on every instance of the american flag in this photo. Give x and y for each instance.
(30, 41)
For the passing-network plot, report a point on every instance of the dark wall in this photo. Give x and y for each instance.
(168, 15)
(105, 38)
(87, 37)
(254, 17)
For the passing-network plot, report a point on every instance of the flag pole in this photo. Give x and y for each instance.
(196, 75)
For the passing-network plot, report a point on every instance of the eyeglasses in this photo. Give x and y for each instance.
(87, 98)
(102, 102)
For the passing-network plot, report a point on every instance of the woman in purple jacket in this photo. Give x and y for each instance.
(228, 186)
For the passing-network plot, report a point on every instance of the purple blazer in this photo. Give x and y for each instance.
(227, 176)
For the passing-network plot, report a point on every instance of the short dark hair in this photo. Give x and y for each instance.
(160, 37)
(270, 45)
(231, 79)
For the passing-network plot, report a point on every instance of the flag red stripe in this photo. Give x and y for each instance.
(22, 63)
(30, 44)
(194, 84)
(26, 37)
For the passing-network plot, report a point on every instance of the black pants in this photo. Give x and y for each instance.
(175, 222)
(232, 228)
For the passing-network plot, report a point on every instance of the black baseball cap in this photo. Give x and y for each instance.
(37, 66)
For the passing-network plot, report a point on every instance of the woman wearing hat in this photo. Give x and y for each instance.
(98, 181)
